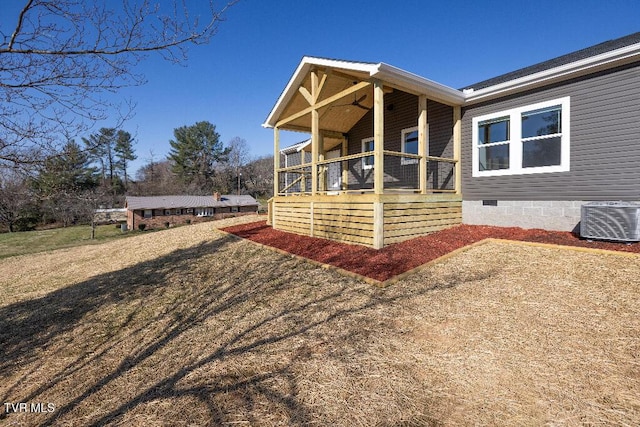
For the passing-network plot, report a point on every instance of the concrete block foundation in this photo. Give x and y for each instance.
(561, 215)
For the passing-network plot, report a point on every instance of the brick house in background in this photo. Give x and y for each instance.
(157, 211)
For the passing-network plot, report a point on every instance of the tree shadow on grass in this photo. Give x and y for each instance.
(29, 325)
(216, 326)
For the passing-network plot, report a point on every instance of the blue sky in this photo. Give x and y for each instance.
(235, 80)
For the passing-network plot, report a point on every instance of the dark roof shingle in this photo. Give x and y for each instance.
(588, 52)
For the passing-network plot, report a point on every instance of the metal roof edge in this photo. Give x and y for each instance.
(299, 146)
(419, 84)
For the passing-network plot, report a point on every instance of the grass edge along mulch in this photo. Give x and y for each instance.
(395, 262)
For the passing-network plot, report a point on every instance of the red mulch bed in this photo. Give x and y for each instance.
(392, 260)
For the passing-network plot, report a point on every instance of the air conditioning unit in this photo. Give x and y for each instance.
(619, 221)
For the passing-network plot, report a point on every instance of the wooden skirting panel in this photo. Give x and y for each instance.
(345, 222)
(353, 219)
(293, 217)
(404, 221)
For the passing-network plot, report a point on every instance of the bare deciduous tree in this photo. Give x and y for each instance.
(259, 177)
(238, 158)
(61, 58)
(14, 197)
(156, 179)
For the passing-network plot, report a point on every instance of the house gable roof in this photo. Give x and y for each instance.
(603, 56)
(588, 52)
(612, 53)
(172, 202)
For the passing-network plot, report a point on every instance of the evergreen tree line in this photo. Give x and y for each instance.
(65, 188)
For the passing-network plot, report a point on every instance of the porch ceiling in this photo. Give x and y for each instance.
(329, 145)
(341, 115)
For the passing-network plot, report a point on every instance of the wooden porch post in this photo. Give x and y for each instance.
(303, 179)
(322, 173)
(378, 137)
(457, 148)
(276, 176)
(345, 165)
(315, 135)
(378, 163)
(423, 141)
(378, 225)
(276, 161)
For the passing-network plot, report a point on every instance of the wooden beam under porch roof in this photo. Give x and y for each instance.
(324, 103)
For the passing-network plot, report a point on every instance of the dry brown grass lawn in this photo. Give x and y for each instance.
(193, 327)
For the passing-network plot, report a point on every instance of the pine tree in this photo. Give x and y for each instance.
(124, 153)
(61, 181)
(194, 153)
(69, 171)
(101, 149)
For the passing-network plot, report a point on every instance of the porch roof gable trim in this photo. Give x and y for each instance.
(381, 71)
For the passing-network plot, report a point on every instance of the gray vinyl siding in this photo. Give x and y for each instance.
(604, 144)
(440, 118)
(401, 112)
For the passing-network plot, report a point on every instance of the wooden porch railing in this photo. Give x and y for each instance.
(349, 175)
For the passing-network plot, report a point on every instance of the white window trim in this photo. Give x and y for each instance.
(408, 161)
(364, 143)
(515, 141)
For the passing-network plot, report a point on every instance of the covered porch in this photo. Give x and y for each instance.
(382, 164)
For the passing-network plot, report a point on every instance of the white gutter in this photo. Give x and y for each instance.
(405, 79)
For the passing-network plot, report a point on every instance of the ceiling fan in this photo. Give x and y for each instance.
(356, 102)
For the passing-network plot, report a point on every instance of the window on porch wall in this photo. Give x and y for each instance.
(367, 145)
(409, 144)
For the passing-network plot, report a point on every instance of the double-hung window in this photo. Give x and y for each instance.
(542, 137)
(530, 139)
(493, 143)
(410, 145)
(367, 146)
